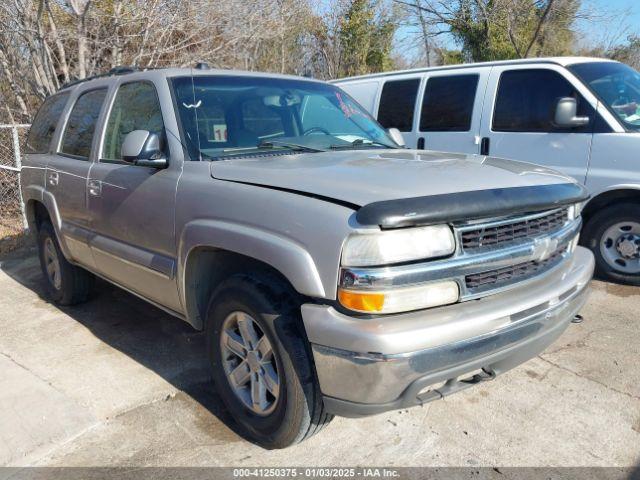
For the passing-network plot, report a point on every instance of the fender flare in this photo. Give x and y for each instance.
(37, 193)
(284, 254)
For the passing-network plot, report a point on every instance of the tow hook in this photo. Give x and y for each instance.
(577, 319)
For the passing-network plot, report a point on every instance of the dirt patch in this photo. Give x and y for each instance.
(12, 239)
(636, 426)
(622, 291)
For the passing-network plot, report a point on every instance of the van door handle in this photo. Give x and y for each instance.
(484, 146)
(53, 178)
(95, 188)
(421, 143)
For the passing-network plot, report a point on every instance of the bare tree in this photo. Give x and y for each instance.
(45, 43)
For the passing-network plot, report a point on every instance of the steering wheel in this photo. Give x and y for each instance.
(316, 129)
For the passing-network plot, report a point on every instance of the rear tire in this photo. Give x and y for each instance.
(613, 235)
(66, 284)
(294, 410)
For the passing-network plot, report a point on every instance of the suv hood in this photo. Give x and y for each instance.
(360, 177)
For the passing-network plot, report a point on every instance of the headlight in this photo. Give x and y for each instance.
(397, 246)
(400, 299)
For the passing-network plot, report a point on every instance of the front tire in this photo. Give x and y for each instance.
(261, 363)
(66, 284)
(613, 235)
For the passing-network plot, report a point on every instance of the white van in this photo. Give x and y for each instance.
(577, 115)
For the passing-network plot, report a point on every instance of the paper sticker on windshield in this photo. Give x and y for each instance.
(219, 133)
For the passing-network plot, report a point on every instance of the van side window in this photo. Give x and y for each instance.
(81, 125)
(397, 104)
(447, 104)
(136, 107)
(527, 99)
(44, 125)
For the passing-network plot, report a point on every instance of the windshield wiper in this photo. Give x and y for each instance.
(359, 142)
(293, 146)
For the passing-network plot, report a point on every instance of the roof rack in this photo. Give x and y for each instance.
(119, 70)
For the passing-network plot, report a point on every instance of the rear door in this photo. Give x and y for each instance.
(68, 170)
(518, 118)
(133, 207)
(450, 110)
(38, 145)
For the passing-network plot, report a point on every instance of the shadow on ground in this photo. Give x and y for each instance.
(164, 344)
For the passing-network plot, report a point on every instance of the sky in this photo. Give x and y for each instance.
(625, 17)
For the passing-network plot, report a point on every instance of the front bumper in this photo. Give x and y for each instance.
(368, 366)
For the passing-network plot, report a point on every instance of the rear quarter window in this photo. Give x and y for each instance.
(44, 124)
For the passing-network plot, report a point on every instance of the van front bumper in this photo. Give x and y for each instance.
(368, 366)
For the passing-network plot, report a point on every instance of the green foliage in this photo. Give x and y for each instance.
(366, 38)
(497, 30)
(449, 57)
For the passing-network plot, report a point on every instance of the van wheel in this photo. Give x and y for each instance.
(613, 235)
(66, 284)
(261, 362)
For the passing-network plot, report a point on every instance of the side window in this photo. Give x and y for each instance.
(397, 104)
(258, 122)
(527, 99)
(136, 107)
(447, 104)
(81, 125)
(44, 125)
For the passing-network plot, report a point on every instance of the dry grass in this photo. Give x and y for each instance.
(12, 234)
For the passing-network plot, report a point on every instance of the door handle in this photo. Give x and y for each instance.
(95, 188)
(53, 178)
(484, 146)
(421, 143)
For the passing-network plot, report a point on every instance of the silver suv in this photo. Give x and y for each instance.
(332, 272)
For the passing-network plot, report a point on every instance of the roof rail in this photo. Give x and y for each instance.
(119, 70)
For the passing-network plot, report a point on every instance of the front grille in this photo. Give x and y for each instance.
(508, 232)
(496, 278)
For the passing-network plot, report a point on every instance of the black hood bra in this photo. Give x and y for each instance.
(472, 205)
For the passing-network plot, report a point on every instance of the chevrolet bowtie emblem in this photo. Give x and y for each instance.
(544, 247)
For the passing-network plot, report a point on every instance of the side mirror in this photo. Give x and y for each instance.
(565, 116)
(142, 148)
(396, 136)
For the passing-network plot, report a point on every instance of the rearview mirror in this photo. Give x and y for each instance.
(565, 116)
(396, 136)
(142, 148)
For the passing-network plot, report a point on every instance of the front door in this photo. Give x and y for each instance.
(133, 207)
(518, 118)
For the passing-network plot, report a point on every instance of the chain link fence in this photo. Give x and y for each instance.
(13, 222)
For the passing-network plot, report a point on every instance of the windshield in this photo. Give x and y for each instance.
(618, 87)
(224, 116)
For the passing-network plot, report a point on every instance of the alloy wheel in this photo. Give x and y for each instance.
(249, 363)
(52, 264)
